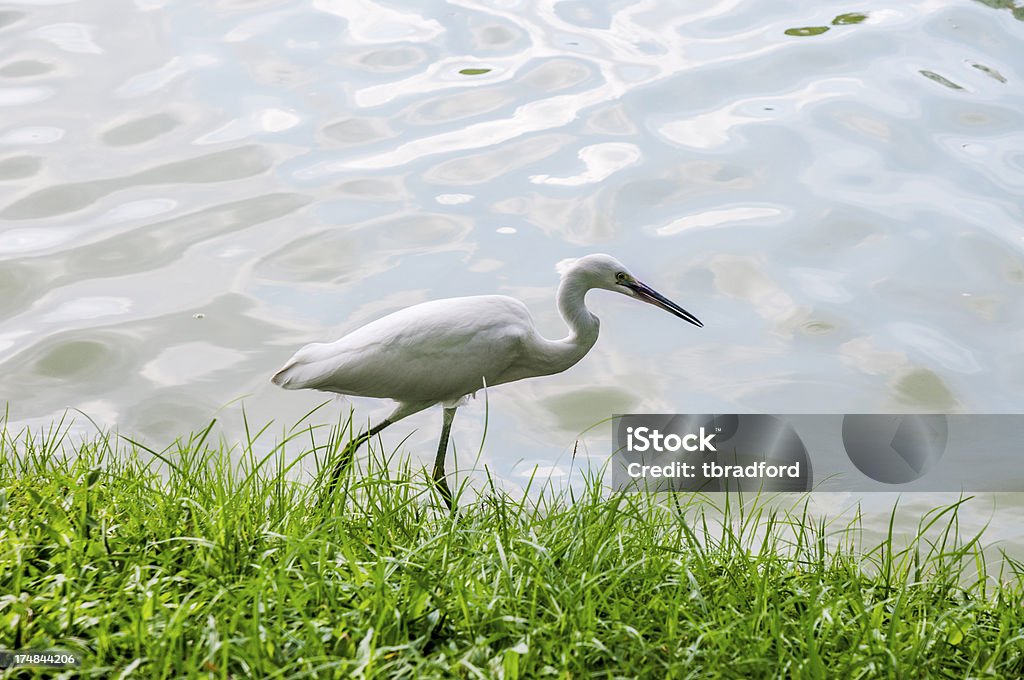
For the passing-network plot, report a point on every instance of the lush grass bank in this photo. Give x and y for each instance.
(188, 566)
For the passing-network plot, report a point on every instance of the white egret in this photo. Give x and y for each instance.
(444, 350)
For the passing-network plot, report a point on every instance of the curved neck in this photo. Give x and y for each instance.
(558, 355)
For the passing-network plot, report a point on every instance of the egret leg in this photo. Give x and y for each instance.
(349, 452)
(442, 448)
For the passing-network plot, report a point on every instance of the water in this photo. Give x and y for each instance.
(190, 191)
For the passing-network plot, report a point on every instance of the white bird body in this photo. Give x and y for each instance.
(437, 351)
(441, 351)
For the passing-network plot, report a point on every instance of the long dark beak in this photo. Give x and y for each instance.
(651, 296)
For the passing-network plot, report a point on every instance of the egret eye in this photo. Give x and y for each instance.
(622, 277)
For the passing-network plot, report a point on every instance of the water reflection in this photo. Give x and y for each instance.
(841, 206)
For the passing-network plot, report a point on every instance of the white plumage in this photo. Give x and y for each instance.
(433, 352)
(441, 351)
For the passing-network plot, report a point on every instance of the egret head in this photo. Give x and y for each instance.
(604, 271)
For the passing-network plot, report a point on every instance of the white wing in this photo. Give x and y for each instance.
(435, 351)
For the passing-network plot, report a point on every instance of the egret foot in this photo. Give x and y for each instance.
(442, 488)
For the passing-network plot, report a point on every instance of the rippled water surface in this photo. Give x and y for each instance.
(191, 190)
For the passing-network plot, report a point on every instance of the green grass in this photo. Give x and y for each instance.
(208, 560)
